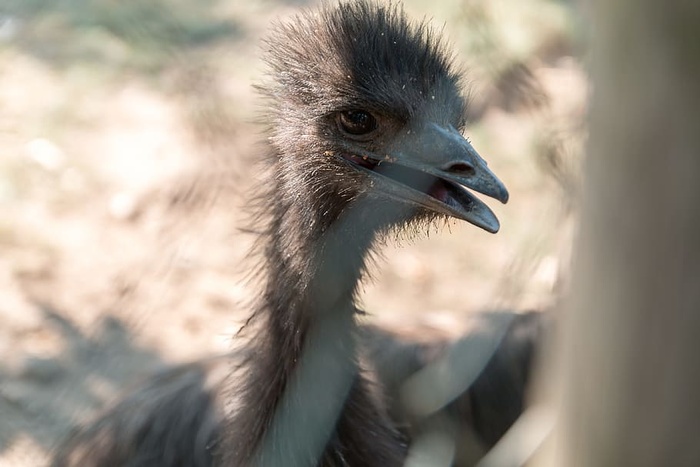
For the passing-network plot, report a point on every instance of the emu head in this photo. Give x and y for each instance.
(367, 107)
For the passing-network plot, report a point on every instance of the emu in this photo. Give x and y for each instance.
(365, 121)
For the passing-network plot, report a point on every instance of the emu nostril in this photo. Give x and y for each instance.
(460, 168)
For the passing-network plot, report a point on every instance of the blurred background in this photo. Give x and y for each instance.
(128, 139)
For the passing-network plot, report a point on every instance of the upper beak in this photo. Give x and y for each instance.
(434, 165)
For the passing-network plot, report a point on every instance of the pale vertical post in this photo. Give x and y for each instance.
(628, 391)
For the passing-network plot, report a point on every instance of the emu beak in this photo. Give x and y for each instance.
(432, 167)
(464, 165)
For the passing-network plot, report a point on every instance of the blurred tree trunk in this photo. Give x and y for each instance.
(629, 387)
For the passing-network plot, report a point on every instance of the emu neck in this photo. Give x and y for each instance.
(306, 404)
(315, 331)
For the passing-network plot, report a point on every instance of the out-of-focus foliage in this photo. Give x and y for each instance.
(129, 34)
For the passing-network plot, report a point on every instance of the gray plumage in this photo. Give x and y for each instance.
(365, 114)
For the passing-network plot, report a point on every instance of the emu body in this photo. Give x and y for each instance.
(177, 416)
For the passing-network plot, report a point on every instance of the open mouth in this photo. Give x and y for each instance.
(428, 190)
(445, 191)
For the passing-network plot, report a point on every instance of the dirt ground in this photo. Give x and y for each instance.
(127, 147)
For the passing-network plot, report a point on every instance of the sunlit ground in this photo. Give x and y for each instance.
(127, 141)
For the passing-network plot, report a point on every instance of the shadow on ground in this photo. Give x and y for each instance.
(42, 398)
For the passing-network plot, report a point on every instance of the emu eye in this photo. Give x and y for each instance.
(356, 122)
